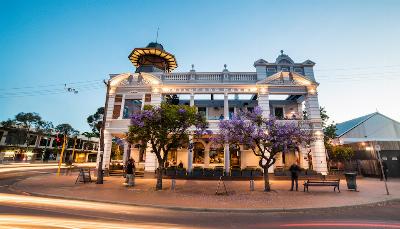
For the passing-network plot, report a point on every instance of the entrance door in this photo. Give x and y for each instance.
(234, 156)
(392, 160)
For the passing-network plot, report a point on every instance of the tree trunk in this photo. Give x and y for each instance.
(267, 187)
(159, 176)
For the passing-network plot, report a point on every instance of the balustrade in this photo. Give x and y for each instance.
(205, 76)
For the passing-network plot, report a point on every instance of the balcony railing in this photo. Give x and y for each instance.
(210, 76)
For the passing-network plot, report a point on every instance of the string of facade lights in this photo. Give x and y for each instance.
(89, 85)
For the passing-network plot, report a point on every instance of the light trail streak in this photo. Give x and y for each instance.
(343, 224)
(19, 221)
(67, 206)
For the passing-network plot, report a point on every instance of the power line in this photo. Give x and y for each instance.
(85, 86)
(40, 93)
(354, 68)
(51, 85)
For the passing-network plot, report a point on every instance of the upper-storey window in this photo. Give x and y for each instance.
(285, 69)
(298, 70)
(147, 98)
(271, 70)
(202, 111)
(278, 112)
(117, 106)
(131, 106)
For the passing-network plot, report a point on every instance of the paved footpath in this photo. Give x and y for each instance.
(200, 194)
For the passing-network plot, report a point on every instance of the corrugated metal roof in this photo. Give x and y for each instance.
(344, 127)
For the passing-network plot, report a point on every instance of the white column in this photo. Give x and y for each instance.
(300, 110)
(107, 150)
(155, 99)
(317, 147)
(190, 154)
(110, 108)
(263, 102)
(192, 100)
(227, 159)
(51, 142)
(207, 155)
(312, 105)
(143, 101)
(226, 107)
(150, 164)
(121, 112)
(126, 154)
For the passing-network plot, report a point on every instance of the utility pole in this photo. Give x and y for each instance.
(378, 149)
(103, 124)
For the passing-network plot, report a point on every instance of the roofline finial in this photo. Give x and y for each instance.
(158, 28)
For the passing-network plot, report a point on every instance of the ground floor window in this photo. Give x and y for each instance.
(216, 154)
(198, 153)
(234, 152)
(171, 158)
(142, 153)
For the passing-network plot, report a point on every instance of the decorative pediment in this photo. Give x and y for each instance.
(288, 79)
(137, 79)
(260, 62)
(308, 62)
(134, 80)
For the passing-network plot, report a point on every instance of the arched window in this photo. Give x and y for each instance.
(216, 154)
(198, 153)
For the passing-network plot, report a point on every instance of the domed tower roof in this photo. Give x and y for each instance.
(152, 58)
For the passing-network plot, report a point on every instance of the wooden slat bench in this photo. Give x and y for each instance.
(334, 183)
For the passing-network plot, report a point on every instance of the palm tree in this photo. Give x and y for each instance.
(66, 130)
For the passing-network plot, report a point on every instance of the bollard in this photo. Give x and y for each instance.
(173, 182)
(251, 185)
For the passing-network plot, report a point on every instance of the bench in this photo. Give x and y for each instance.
(334, 183)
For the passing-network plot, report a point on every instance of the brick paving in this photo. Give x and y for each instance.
(201, 193)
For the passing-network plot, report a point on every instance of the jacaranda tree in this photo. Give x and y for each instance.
(164, 128)
(265, 137)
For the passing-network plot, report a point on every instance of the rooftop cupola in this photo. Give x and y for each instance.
(152, 58)
(284, 59)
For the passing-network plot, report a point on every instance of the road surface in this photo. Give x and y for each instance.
(23, 211)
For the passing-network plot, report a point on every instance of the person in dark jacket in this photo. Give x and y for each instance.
(385, 170)
(130, 170)
(294, 172)
(180, 165)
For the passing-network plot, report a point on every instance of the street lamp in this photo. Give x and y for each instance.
(377, 148)
(101, 151)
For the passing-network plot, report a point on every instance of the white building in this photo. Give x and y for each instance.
(281, 88)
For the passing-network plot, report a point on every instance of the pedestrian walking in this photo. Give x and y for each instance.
(130, 172)
(294, 172)
(385, 170)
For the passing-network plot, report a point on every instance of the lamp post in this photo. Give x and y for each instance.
(101, 151)
(377, 148)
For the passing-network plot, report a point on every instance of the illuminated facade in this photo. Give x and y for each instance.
(281, 88)
(15, 148)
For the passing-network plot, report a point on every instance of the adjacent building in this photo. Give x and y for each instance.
(364, 133)
(15, 148)
(283, 88)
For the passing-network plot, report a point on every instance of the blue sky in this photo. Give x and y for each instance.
(46, 44)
